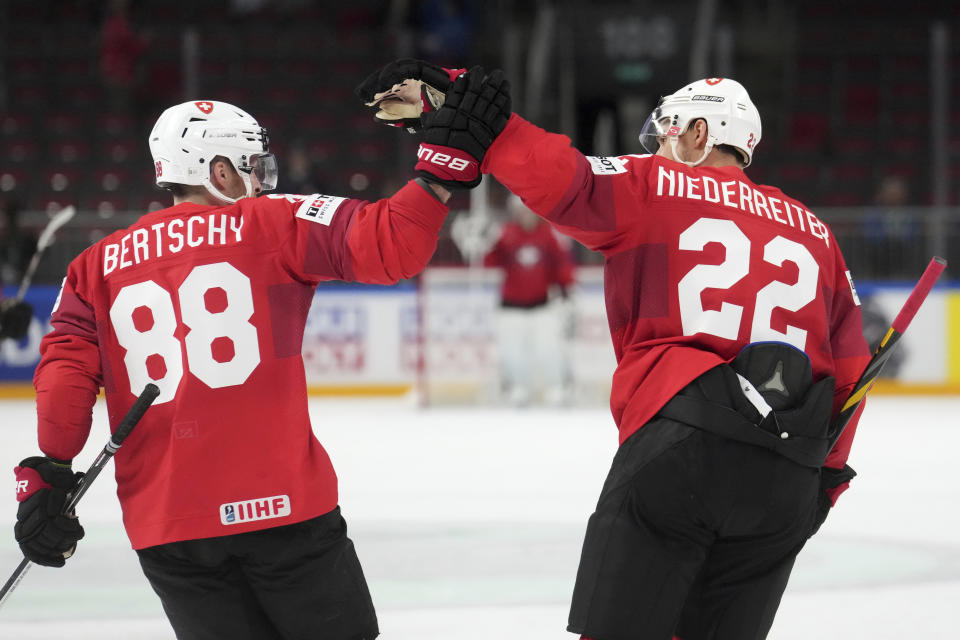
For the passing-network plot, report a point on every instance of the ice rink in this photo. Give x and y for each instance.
(468, 523)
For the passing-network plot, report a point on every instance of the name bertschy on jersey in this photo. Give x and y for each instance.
(170, 237)
(741, 196)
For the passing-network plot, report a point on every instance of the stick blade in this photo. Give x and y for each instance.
(59, 219)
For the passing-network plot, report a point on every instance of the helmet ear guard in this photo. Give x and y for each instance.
(187, 137)
(731, 117)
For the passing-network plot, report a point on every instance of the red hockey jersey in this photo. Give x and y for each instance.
(699, 263)
(532, 262)
(209, 303)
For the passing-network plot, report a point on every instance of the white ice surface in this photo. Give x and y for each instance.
(468, 523)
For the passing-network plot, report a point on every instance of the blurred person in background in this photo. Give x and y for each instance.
(446, 27)
(738, 338)
(121, 52)
(228, 498)
(300, 173)
(16, 249)
(535, 312)
(890, 233)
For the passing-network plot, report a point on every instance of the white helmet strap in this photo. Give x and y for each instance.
(706, 151)
(208, 183)
(219, 195)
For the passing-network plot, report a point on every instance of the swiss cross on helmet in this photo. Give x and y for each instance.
(188, 136)
(724, 104)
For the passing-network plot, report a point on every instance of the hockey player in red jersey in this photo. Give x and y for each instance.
(228, 498)
(529, 332)
(737, 333)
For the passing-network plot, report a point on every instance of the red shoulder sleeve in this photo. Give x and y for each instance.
(69, 375)
(394, 238)
(334, 238)
(571, 191)
(310, 231)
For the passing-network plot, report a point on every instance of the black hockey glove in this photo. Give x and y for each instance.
(404, 90)
(46, 534)
(833, 482)
(456, 137)
(15, 317)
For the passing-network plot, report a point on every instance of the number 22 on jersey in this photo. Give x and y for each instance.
(216, 303)
(726, 322)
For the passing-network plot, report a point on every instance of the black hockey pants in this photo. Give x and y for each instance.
(296, 582)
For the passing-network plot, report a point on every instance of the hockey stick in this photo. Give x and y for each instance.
(140, 406)
(61, 218)
(885, 348)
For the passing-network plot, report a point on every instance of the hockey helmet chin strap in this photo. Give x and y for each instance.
(263, 165)
(706, 151)
(219, 195)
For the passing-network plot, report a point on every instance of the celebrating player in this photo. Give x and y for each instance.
(737, 333)
(228, 498)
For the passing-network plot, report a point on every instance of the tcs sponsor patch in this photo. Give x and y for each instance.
(606, 165)
(319, 208)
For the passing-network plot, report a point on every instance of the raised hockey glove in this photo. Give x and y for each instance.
(456, 137)
(46, 534)
(15, 317)
(833, 482)
(404, 90)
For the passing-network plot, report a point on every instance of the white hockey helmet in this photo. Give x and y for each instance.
(188, 136)
(731, 118)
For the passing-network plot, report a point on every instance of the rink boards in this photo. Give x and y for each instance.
(372, 340)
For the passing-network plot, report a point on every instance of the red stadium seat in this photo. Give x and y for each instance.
(31, 96)
(70, 150)
(123, 149)
(851, 172)
(16, 123)
(19, 150)
(111, 179)
(114, 124)
(105, 205)
(13, 179)
(854, 145)
(906, 145)
(808, 131)
(861, 104)
(799, 172)
(67, 123)
(61, 179)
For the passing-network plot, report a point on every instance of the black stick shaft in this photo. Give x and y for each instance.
(140, 406)
(129, 421)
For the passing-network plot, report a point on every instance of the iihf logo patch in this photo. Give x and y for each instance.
(256, 509)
